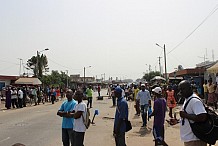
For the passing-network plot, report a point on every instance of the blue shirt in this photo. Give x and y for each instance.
(67, 106)
(121, 113)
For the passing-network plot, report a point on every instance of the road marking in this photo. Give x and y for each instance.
(5, 139)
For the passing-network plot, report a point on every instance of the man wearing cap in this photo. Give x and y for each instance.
(144, 98)
(159, 112)
(121, 116)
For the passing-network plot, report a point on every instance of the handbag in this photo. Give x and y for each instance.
(128, 125)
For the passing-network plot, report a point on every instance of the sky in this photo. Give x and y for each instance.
(115, 37)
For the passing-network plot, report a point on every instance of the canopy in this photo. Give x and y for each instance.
(213, 69)
(158, 78)
(28, 81)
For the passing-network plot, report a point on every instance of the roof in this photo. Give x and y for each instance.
(213, 69)
(192, 71)
(28, 81)
(3, 77)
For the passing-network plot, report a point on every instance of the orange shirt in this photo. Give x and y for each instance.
(171, 102)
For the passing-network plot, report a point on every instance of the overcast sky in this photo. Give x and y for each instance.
(115, 37)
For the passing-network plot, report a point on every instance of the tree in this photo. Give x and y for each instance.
(38, 64)
(150, 75)
(55, 79)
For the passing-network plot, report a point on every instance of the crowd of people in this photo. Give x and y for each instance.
(21, 96)
(150, 101)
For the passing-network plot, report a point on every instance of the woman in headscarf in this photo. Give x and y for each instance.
(8, 98)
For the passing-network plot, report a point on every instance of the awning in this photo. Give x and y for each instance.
(28, 81)
(158, 78)
(213, 69)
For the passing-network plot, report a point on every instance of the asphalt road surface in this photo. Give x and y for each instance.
(40, 126)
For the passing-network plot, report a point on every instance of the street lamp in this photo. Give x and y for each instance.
(165, 59)
(67, 78)
(37, 61)
(85, 74)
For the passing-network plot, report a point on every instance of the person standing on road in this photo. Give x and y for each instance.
(99, 90)
(137, 105)
(8, 97)
(67, 122)
(79, 113)
(195, 112)
(121, 116)
(212, 99)
(14, 97)
(159, 112)
(89, 92)
(205, 91)
(144, 98)
(171, 101)
(34, 94)
(20, 98)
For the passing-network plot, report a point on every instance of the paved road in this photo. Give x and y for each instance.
(39, 126)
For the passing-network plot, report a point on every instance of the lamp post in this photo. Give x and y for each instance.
(67, 78)
(85, 74)
(37, 61)
(165, 60)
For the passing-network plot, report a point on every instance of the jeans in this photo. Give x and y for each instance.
(89, 102)
(79, 138)
(67, 137)
(120, 140)
(144, 111)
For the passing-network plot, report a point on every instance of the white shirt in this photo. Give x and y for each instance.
(196, 107)
(20, 94)
(78, 125)
(13, 96)
(143, 96)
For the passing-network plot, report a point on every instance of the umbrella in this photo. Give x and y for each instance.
(213, 69)
(158, 78)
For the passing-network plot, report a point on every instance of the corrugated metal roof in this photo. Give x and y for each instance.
(28, 81)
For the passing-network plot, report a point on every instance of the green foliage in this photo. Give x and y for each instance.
(55, 79)
(152, 74)
(41, 67)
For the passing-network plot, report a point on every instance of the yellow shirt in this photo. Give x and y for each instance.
(211, 88)
(135, 93)
(205, 88)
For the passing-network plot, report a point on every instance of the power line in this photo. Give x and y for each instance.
(61, 65)
(204, 20)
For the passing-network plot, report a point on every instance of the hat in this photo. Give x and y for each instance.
(142, 85)
(157, 90)
(118, 90)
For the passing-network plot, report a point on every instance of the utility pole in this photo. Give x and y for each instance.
(84, 76)
(20, 66)
(37, 64)
(159, 64)
(67, 78)
(165, 62)
(149, 68)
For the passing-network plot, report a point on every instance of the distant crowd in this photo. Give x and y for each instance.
(21, 96)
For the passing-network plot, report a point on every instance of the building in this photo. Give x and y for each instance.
(76, 80)
(7, 80)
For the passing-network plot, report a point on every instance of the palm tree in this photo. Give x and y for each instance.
(39, 65)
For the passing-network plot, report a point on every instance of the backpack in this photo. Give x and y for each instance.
(86, 120)
(206, 131)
